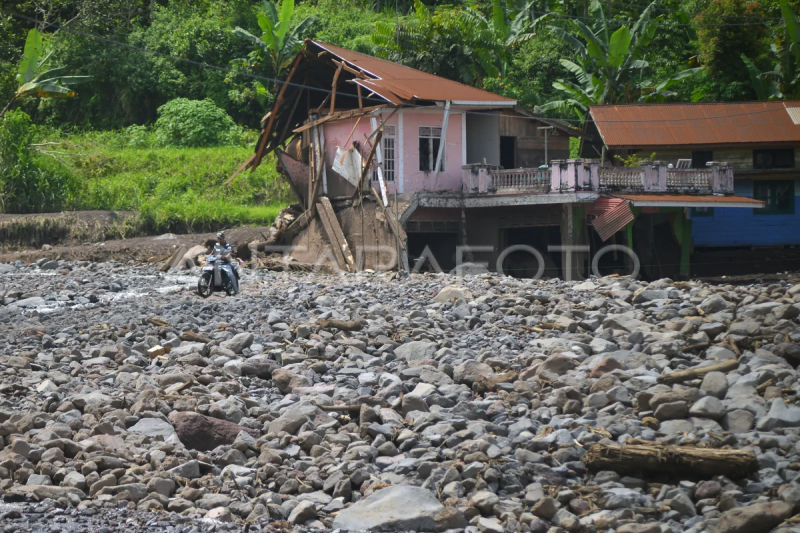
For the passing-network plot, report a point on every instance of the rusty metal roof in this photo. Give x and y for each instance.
(652, 125)
(685, 200)
(401, 84)
(616, 214)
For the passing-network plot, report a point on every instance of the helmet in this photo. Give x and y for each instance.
(221, 235)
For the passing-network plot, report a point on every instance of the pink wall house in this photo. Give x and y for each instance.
(411, 138)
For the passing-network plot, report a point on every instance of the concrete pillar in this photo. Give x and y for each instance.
(573, 262)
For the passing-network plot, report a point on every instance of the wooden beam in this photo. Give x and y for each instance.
(334, 86)
(367, 163)
(360, 102)
(274, 113)
(241, 169)
(325, 101)
(352, 113)
(285, 130)
(335, 235)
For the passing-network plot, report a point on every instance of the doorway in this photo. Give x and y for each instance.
(508, 152)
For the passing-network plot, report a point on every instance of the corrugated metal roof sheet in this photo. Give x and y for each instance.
(616, 215)
(685, 198)
(653, 125)
(400, 84)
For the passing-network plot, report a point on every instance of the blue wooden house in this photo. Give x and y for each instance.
(759, 140)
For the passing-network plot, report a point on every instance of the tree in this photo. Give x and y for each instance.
(280, 44)
(36, 83)
(723, 38)
(609, 67)
(783, 81)
(459, 43)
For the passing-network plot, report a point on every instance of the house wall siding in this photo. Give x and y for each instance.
(742, 227)
(412, 179)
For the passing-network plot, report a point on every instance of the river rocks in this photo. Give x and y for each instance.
(469, 414)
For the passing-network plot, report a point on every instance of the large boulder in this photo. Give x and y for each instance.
(238, 343)
(756, 518)
(471, 371)
(155, 427)
(202, 433)
(286, 380)
(396, 508)
(298, 414)
(416, 350)
(453, 293)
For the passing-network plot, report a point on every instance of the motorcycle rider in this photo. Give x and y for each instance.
(224, 252)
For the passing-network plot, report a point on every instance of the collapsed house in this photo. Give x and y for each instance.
(393, 167)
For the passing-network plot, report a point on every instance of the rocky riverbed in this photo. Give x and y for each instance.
(394, 403)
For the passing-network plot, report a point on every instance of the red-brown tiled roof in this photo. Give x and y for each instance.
(646, 125)
(400, 84)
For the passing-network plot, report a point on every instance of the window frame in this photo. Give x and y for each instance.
(433, 135)
(773, 152)
(771, 198)
(389, 170)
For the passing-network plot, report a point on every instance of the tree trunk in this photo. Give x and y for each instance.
(683, 461)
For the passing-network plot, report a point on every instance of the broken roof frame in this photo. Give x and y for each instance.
(333, 82)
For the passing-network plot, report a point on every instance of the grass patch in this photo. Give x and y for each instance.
(173, 189)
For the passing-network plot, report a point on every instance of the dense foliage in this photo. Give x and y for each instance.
(167, 75)
(187, 123)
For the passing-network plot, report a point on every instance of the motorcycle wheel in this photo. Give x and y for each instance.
(204, 286)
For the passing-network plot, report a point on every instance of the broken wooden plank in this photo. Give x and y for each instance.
(247, 164)
(367, 164)
(698, 372)
(344, 325)
(334, 86)
(335, 235)
(278, 101)
(353, 113)
(191, 336)
(679, 460)
(298, 225)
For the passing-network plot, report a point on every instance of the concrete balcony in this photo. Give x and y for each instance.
(584, 175)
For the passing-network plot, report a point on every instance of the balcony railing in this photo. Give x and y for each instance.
(521, 178)
(587, 175)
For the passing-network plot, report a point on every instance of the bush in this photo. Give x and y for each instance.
(30, 182)
(184, 123)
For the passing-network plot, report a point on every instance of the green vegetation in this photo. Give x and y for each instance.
(179, 85)
(173, 189)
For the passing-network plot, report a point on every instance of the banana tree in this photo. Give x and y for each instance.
(34, 82)
(278, 42)
(609, 66)
(783, 82)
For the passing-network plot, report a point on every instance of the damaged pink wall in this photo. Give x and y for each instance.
(408, 176)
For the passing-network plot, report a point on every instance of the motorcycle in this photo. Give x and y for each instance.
(216, 276)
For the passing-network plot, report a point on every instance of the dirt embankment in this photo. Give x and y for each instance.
(96, 236)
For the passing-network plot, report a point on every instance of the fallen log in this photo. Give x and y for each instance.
(344, 325)
(681, 460)
(698, 372)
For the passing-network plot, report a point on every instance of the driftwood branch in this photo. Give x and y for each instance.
(191, 336)
(344, 325)
(698, 372)
(680, 460)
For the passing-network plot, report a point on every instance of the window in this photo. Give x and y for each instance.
(698, 212)
(778, 197)
(388, 151)
(777, 158)
(699, 159)
(429, 140)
